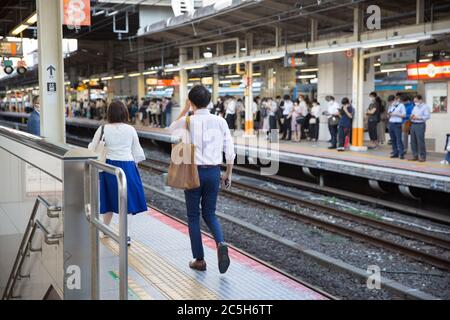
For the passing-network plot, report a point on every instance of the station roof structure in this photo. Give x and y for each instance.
(101, 51)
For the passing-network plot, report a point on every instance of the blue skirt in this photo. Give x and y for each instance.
(108, 189)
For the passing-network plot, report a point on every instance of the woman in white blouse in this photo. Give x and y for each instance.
(123, 151)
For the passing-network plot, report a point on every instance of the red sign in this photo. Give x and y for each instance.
(77, 12)
(428, 70)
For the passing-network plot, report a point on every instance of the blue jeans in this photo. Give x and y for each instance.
(395, 132)
(447, 156)
(333, 133)
(206, 195)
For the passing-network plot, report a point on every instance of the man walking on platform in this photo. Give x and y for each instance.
(211, 137)
(419, 115)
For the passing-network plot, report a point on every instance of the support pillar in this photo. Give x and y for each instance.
(51, 70)
(216, 87)
(314, 30)
(358, 97)
(249, 98)
(420, 11)
(141, 90)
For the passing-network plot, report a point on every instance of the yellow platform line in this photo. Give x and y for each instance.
(135, 288)
(173, 283)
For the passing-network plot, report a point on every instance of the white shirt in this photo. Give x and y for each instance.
(272, 108)
(315, 111)
(333, 108)
(231, 107)
(287, 108)
(395, 113)
(121, 142)
(303, 109)
(210, 135)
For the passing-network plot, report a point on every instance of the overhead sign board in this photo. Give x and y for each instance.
(293, 60)
(428, 70)
(11, 49)
(77, 13)
(397, 60)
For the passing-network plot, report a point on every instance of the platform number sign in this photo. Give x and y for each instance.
(51, 84)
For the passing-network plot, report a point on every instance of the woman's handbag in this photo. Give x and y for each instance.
(100, 148)
(299, 119)
(183, 173)
(333, 120)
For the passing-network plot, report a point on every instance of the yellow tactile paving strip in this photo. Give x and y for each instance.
(173, 283)
(135, 288)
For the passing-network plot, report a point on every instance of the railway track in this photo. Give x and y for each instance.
(383, 226)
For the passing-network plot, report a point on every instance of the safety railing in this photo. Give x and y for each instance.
(26, 244)
(91, 204)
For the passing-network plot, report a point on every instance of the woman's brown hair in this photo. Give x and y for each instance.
(117, 112)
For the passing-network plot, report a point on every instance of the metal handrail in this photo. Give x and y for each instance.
(26, 244)
(91, 178)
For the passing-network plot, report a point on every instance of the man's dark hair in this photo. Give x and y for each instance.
(117, 112)
(391, 98)
(286, 97)
(373, 94)
(200, 96)
(418, 97)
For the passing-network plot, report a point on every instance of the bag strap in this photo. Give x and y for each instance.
(102, 135)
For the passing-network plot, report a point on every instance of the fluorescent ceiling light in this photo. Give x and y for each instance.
(388, 43)
(195, 79)
(134, 74)
(97, 13)
(95, 79)
(307, 76)
(232, 76)
(309, 70)
(85, 80)
(426, 60)
(32, 19)
(109, 14)
(377, 64)
(328, 49)
(118, 77)
(66, 83)
(225, 81)
(106, 78)
(192, 67)
(207, 55)
(172, 69)
(149, 72)
(19, 29)
(257, 74)
(393, 70)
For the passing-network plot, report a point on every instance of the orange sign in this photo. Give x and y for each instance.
(428, 70)
(10, 49)
(77, 12)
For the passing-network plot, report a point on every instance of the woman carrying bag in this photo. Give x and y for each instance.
(207, 136)
(124, 151)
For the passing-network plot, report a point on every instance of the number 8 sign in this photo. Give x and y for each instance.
(77, 13)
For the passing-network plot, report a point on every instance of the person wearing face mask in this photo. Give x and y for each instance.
(419, 115)
(34, 121)
(396, 114)
(333, 114)
(314, 121)
(373, 114)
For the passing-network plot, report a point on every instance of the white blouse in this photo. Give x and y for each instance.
(121, 142)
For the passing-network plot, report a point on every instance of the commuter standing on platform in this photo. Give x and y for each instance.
(314, 121)
(123, 151)
(167, 111)
(396, 114)
(287, 116)
(419, 115)
(333, 120)
(373, 114)
(406, 127)
(34, 121)
(211, 137)
(345, 123)
(230, 112)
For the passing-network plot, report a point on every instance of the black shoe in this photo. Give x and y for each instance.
(332, 147)
(222, 255)
(402, 157)
(394, 156)
(129, 241)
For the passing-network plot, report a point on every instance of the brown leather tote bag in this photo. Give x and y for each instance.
(183, 173)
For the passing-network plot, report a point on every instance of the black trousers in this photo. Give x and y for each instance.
(373, 133)
(287, 128)
(314, 131)
(231, 120)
